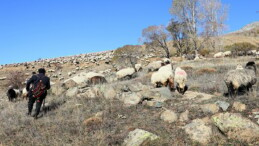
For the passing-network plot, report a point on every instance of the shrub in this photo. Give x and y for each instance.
(16, 79)
(204, 52)
(245, 46)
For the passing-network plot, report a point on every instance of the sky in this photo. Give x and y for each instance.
(34, 29)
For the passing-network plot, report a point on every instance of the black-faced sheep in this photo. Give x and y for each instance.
(180, 79)
(163, 77)
(241, 78)
(13, 93)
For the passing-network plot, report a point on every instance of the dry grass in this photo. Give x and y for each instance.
(70, 121)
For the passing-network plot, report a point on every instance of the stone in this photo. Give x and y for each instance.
(199, 131)
(70, 83)
(72, 92)
(169, 116)
(210, 108)
(130, 99)
(197, 96)
(138, 137)
(57, 90)
(184, 116)
(93, 121)
(237, 127)
(238, 106)
(223, 105)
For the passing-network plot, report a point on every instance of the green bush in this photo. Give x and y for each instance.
(245, 46)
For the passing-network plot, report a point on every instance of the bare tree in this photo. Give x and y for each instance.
(157, 37)
(203, 19)
(127, 55)
(179, 36)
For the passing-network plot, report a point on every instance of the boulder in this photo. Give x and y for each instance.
(237, 127)
(70, 83)
(169, 116)
(210, 108)
(72, 92)
(199, 131)
(184, 116)
(57, 90)
(138, 137)
(130, 99)
(223, 105)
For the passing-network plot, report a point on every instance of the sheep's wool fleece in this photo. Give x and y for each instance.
(240, 77)
(162, 75)
(180, 77)
(124, 72)
(154, 65)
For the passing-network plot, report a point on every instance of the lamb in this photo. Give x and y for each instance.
(126, 73)
(241, 78)
(180, 79)
(163, 77)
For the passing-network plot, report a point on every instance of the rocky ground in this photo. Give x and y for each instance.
(133, 112)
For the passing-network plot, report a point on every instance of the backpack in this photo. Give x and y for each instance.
(38, 89)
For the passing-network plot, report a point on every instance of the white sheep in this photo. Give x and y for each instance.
(219, 55)
(138, 67)
(180, 78)
(241, 78)
(163, 77)
(126, 73)
(24, 93)
(227, 53)
(154, 66)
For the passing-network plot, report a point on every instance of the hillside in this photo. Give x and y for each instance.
(128, 109)
(249, 33)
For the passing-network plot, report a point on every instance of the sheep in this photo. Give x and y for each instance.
(241, 78)
(138, 67)
(126, 73)
(227, 53)
(13, 93)
(163, 77)
(218, 55)
(24, 93)
(154, 66)
(180, 79)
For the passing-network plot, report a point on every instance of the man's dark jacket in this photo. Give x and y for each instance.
(35, 79)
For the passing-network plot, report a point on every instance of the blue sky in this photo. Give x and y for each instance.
(33, 29)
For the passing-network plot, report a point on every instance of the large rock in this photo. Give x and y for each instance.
(138, 137)
(197, 96)
(72, 92)
(130, 99)
(57, 90)
(157, 94)
(210, 108)
(70, 83)
(237, 127)
(169, 116)
(223, 105)
(199, 131)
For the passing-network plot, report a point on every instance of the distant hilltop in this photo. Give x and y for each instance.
(248, 27)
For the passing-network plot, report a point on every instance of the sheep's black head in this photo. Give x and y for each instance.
(251, 65)
(11, 94)
(181, 90)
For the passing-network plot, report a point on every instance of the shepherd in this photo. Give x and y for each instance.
(38, 92)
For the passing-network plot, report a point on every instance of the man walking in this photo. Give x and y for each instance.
(38, 92)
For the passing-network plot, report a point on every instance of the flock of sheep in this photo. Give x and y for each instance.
(163, 74)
